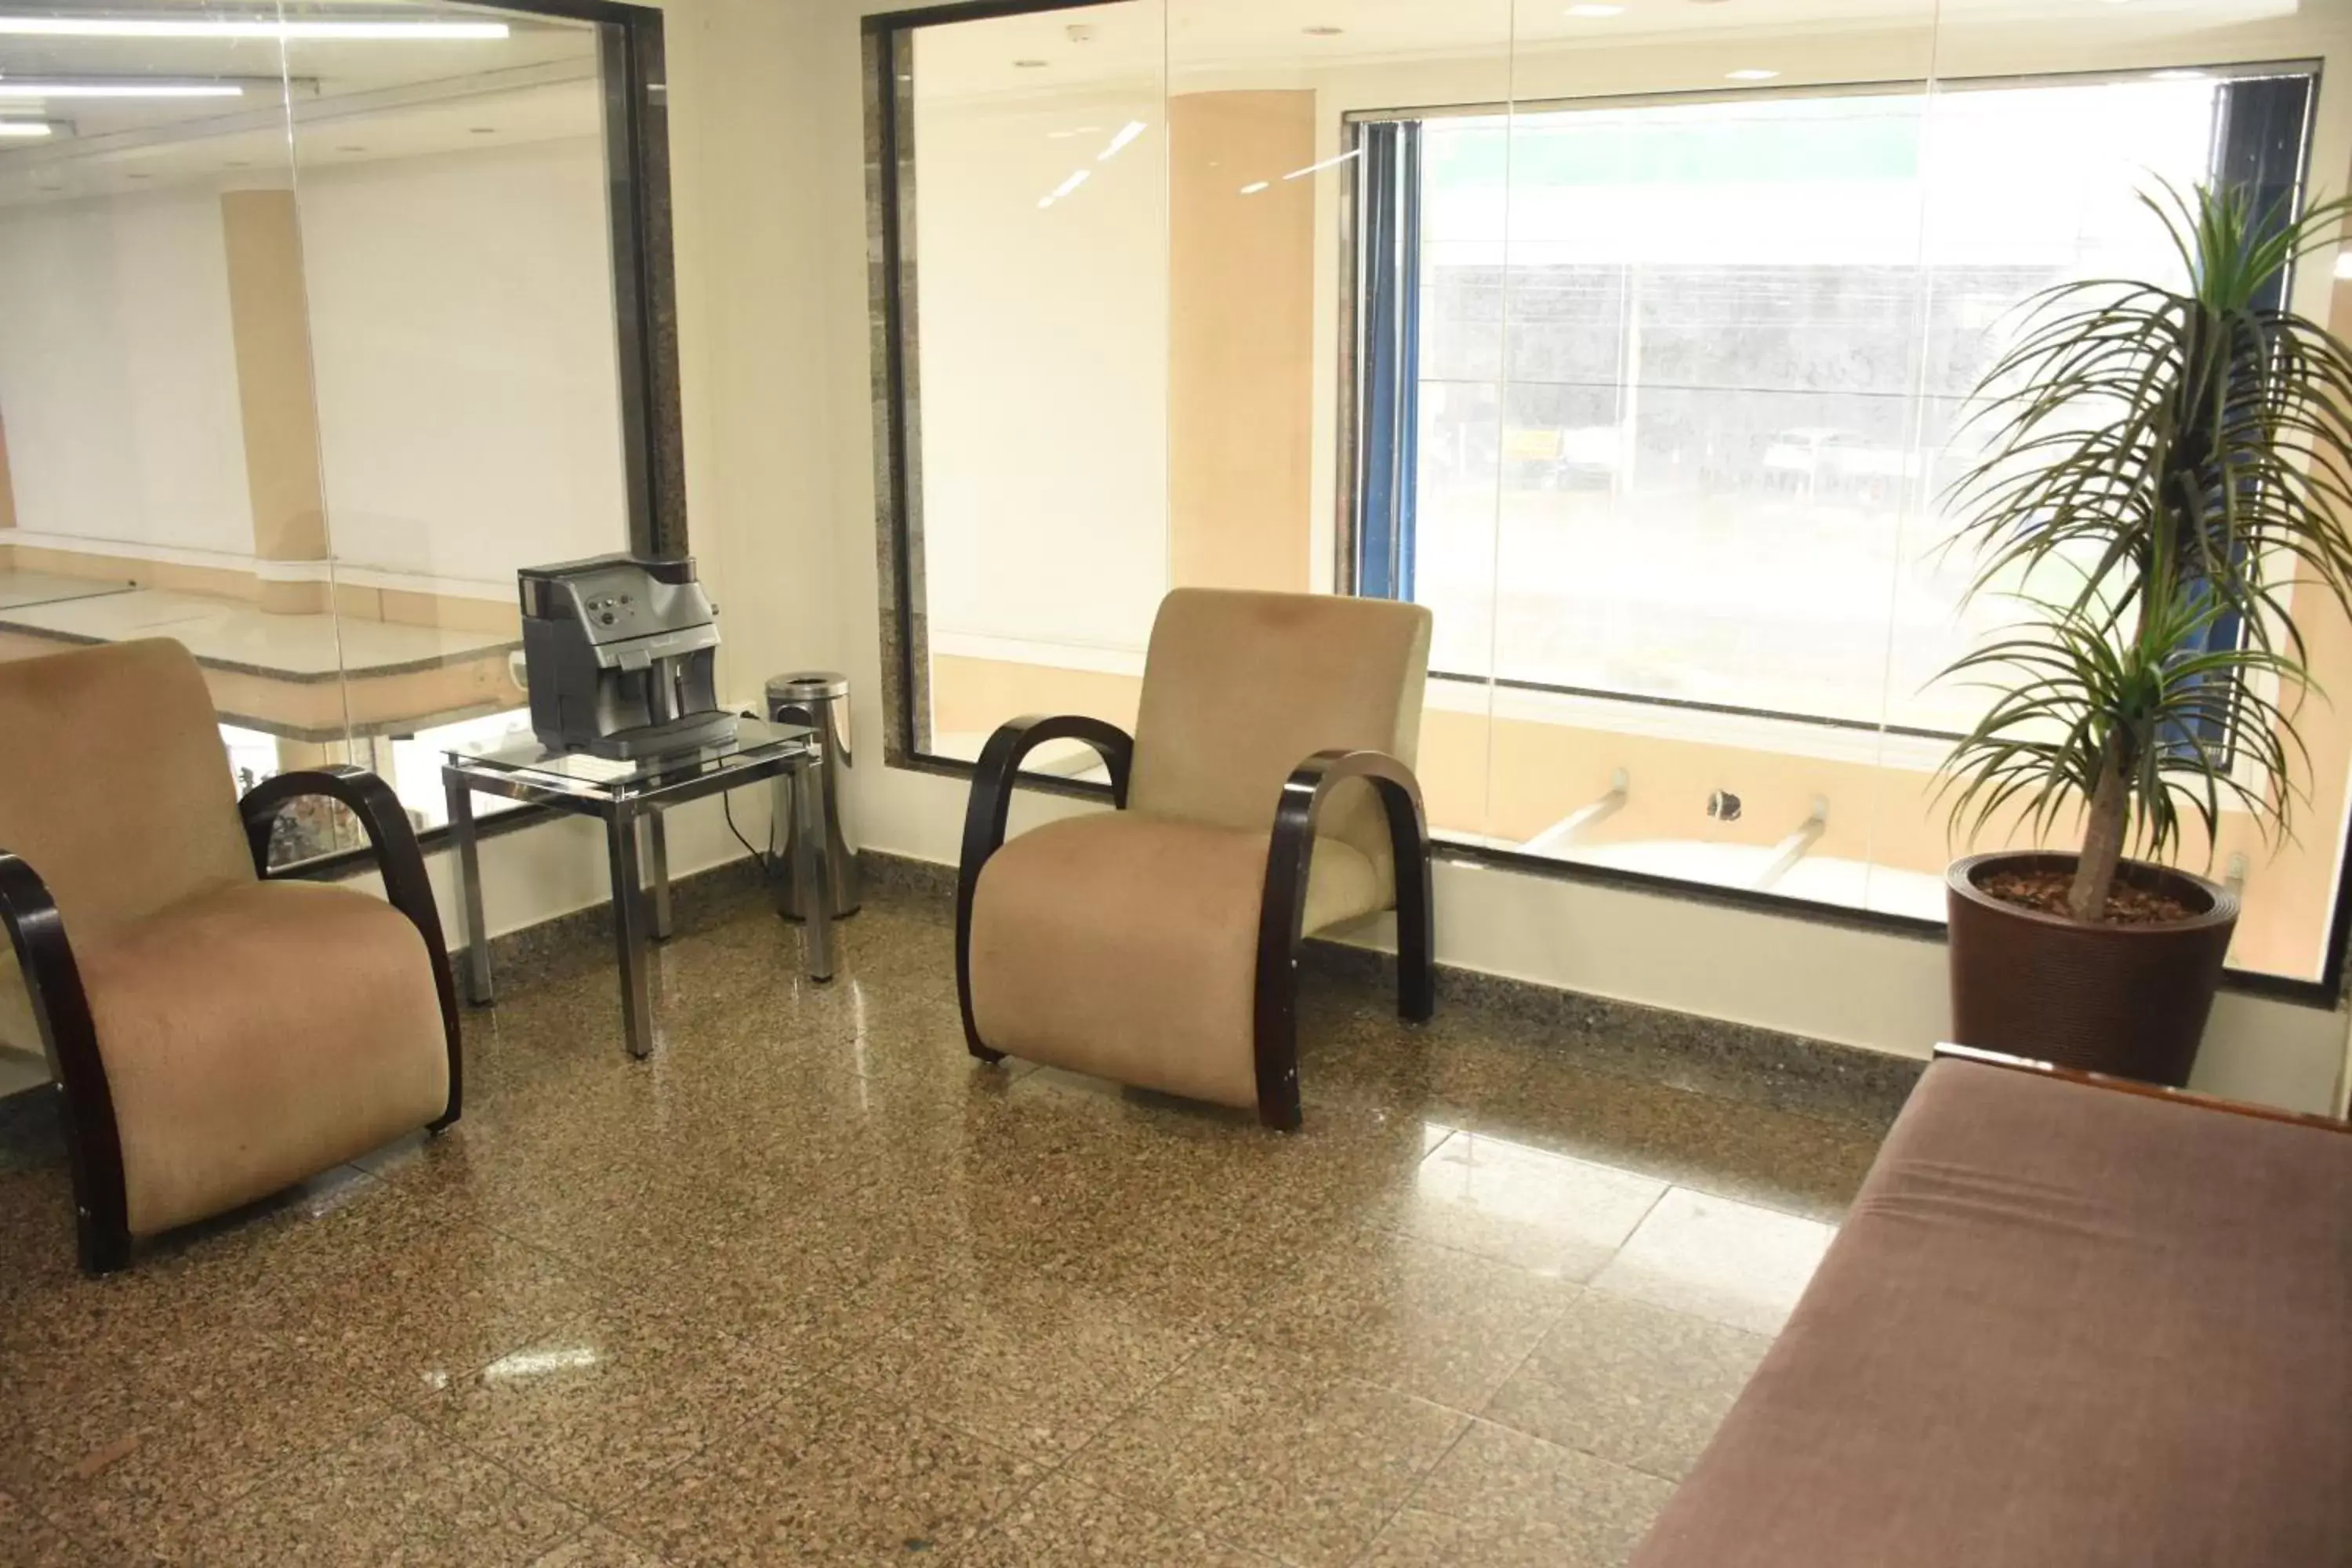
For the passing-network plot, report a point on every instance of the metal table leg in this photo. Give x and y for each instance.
(812, 886)
(657, 871)
(475, 934)
(629, 935)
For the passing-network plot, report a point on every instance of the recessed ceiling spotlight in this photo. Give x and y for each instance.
(1596, 12)
(1751, 73)
(1255, 186)
(1323, 30)
(26, 129)
(1029, 65)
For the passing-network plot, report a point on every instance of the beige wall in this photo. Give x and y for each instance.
(276, 401)
(1241, 298)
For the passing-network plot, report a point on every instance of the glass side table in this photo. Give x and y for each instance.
(629, 797)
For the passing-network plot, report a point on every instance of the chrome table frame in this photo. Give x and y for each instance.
(642, 857)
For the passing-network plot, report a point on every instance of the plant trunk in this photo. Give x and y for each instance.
(2103, 841)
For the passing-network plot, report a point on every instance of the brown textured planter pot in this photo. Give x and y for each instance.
(2128, 1000)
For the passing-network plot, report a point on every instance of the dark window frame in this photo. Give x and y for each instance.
(888, 80)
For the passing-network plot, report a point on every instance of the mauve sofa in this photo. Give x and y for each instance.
(2069, 1322)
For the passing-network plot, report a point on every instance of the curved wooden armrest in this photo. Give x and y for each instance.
(991, 805)
(398, 857)
(1283, 912)
(70, 1038)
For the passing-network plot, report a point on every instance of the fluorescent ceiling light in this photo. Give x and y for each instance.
(1326, 163)
(25, 128)
(1077, 178)
(1255, 187)
(198, 27)
(1752, 73)
(1127, 133)
(10, 89)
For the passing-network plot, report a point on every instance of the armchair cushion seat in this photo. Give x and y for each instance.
(258, 1034)
(1125, 945)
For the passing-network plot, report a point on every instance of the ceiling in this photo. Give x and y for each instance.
(1134, 39)
(302, 102)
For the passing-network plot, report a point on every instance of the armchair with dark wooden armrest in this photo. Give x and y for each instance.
(1157, 943)
(214, 1035)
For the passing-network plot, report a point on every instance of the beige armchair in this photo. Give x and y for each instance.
(215, 1035)
(1267, 794)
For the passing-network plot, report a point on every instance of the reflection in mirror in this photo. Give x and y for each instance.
(1035, 154)
(307, 344)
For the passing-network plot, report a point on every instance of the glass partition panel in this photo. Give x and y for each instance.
(310, 336)
(1032, 155)
(452, 213)
(160, 472)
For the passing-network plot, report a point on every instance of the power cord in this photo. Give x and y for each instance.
(765, 862)
(758, 860)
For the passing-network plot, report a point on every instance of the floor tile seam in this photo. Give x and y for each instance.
(418, 1413)
(1110, 1487)
(1578, 1448)
(1699, 1187)
(382, 1413)
(1327, 1369)
(591, 1527)
(1712, 1322)
(1412, 1495)
(589, 1517)
(40, 1516)
(1042, 1469)
(1648, 1209)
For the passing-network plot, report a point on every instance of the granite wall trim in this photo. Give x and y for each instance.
(892, 338)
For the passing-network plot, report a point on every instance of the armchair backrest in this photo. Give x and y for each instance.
(1240, 687)
(115, 788)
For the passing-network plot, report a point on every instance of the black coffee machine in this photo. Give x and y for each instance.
(621, 653)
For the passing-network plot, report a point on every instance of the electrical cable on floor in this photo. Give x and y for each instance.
(727, 806)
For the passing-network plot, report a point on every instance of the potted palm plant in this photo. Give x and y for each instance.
(2164, 487)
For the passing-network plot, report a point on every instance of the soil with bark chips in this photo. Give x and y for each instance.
(2045, 892)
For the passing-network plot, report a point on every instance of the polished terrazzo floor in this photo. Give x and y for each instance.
(812, 1287)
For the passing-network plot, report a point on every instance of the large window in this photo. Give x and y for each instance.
(1686, 381)
(1633, 340)
(317, 321)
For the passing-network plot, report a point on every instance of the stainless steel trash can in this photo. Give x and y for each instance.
(820, 699)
